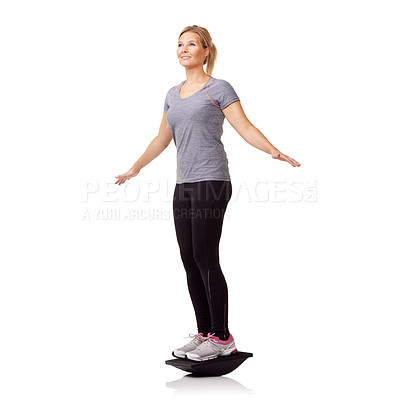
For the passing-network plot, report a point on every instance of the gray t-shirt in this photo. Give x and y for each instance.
(196, 126)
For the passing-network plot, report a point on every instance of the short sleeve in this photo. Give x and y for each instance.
(227, 94)
(166, 102)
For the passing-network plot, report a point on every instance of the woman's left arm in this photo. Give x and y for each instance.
(237, 118)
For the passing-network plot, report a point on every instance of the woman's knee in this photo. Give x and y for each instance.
(206, 260)
(188, 259)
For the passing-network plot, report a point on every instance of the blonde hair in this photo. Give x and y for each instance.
(206, 41)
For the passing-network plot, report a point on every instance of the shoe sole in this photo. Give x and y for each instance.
(179, 356)
(223, 354)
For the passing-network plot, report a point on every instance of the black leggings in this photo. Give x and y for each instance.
(199, 209)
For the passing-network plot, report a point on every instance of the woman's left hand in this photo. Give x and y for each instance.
(283, 157)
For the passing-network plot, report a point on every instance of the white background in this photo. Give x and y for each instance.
(93, 293)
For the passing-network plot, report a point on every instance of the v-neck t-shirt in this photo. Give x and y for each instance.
(196, 126)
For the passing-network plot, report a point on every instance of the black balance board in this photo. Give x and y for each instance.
(218, 366)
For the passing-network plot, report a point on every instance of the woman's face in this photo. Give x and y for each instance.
(189, 47)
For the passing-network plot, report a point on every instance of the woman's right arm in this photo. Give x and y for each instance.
(155, 148)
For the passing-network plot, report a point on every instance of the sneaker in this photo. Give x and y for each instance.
(212, 347)
(198, 338)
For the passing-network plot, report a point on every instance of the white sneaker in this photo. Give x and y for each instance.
(198, 338)
(212, 347)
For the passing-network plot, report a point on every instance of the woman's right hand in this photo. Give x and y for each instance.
(127, 175)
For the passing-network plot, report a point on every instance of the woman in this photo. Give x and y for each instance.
(194, 113)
